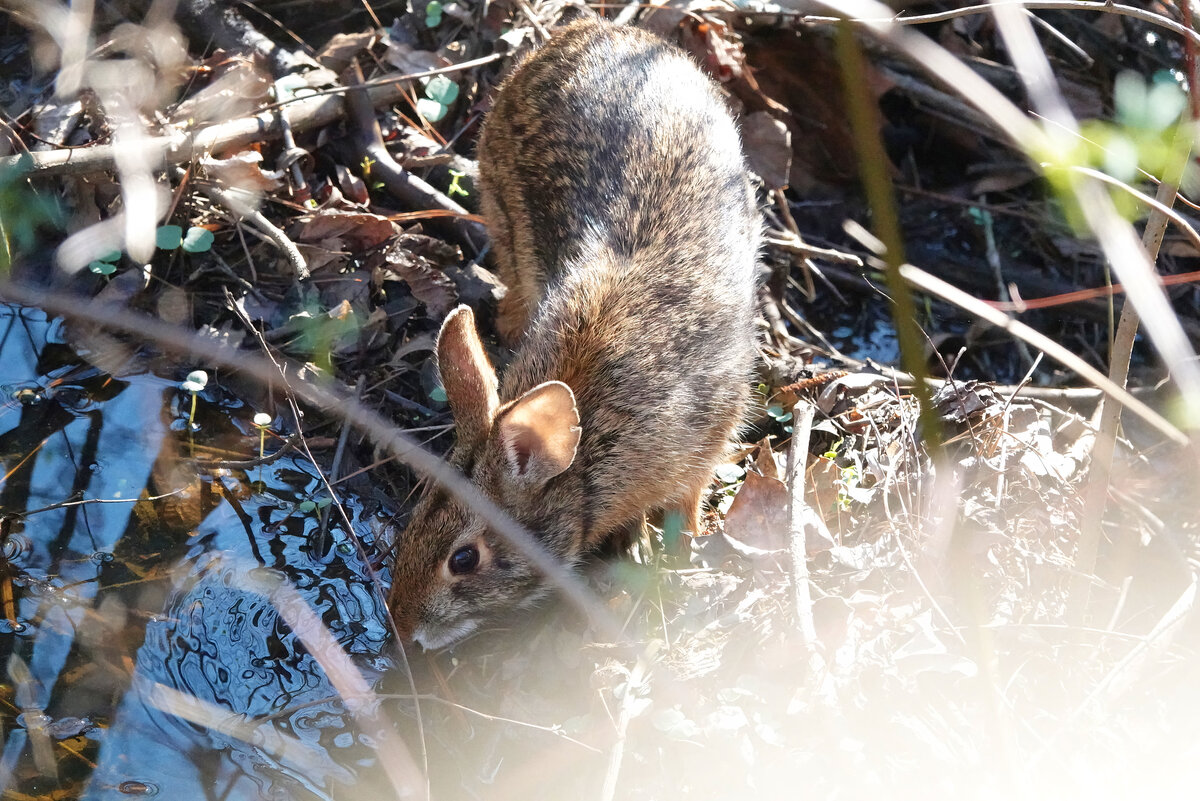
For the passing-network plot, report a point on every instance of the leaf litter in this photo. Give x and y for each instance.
(951, 656)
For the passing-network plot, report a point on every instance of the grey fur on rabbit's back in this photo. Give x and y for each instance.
(626, 230)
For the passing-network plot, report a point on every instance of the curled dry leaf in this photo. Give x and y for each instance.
(408, 59)
(360, 231)
(958, 402)
(759, 514)
(342, 48)
(352, 187)
(242, 171)
(418, 260)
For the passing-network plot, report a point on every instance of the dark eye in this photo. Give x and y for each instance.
(464, 560)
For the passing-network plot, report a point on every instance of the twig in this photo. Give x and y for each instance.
(1032, 5)
(303, 113)
(1095, 492)
(557, 731)
(267, 228)
(800, 516)
(249, 464)
(213, 20)
(1119, 678)
(635, 681)
(399, 181)
(794, 245)
(935, 286)
(266, 371)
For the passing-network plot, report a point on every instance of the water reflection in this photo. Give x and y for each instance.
(143, 652)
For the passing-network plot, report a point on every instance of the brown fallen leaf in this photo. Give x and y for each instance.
(242, 170)
(411, 259)
(342, 48)
(360, 231)
(758, 516)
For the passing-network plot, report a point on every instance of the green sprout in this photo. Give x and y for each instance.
(455, 188)
(433, 14)
(440, 92)
(106, 264)
(172, 237)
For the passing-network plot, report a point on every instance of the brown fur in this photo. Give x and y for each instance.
(624, 226)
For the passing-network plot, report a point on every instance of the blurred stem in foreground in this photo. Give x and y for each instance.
(1095, 493)
(872, 165)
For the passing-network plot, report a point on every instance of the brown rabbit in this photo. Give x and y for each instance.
(627, 232)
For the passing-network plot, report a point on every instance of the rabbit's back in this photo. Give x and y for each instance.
(608, 139)
(628, 233)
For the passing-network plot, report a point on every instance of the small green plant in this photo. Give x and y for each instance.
(440, 93)
(433, 14)
(455, 188)
(1141, 139)
(106, 264)
(172, 237)
(780, 415)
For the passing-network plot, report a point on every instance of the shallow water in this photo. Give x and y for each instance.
(142, 634)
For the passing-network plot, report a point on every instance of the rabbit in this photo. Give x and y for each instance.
(627, 232)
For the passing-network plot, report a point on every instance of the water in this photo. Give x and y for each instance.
(141, 630)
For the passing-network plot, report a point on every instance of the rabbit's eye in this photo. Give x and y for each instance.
(464, 560)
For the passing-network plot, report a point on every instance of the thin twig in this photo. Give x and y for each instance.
(951, 294)
(275, 234)
(304, 112)
(800, 515)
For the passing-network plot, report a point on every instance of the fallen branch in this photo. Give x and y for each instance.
(303, 113)
(244, 210)
(405, 186)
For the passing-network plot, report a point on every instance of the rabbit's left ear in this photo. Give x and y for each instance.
(539, 433)
(467, 375)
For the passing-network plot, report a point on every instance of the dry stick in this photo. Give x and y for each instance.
(335, 402)
(1121, 676)
(293, 404)
(243, 209)
(868, 146)
(400, 182)
(1032, 5)
(303, 113)
(793, 244)
(635, 681)
(270, 740)
(1095, 493)
(799, 519)
(951, 294)
(359, 699)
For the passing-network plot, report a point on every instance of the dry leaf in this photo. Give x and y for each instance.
(361, 231)
(429, 284)
(407, 59)
(342, 48)
(242, 171)
(758, 516)
(768, 146)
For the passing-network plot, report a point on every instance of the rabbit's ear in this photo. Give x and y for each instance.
(467, 375)
(539, 432)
